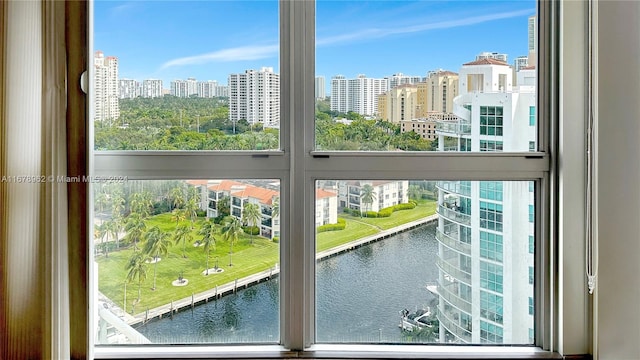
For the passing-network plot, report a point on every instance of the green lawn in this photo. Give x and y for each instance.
(424, 208)
(247, 259)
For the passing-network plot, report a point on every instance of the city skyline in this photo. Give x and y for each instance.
(169, 41)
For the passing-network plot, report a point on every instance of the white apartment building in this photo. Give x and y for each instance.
(398, 79)
(129, 89)
(492, 55)
(184, 88)
(359, 95)
(321, 88)
(326, 207)
(211, 88)
(385, 194)
(486, 228)
(255, 96)
(106, 104)
(152, 88)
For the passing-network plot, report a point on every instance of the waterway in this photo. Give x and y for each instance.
(358, 298)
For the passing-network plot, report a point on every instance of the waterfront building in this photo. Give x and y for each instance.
(321, 88)
(254, 96)
(129, 89)
(485, 228)
(359, 95)
(385, 194)
(106, 104)
(152, 88)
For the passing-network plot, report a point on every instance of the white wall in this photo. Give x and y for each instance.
(617, 307)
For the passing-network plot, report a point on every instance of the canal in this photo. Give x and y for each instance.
(359, 295)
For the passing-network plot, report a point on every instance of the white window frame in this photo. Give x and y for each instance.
(298, 166)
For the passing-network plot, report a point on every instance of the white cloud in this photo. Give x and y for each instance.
(225, 55)
(375, 33)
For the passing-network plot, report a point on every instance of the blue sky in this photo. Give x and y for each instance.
(209, 39)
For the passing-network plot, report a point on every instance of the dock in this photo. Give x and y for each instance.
(229, 288)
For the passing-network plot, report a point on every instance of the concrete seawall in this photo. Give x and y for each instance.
(232, 287)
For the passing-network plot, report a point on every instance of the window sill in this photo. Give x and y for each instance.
(327, 351)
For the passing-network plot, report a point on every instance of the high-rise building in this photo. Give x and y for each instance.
(255, 96)
(321, 88)
(129, 89)
(441, 89)
(398, 79)
(359, 95)
(532, 39)
(152, 88)
(485, 228)
(107, 106)
(184, 88)
(398, 104)
(211, 88)
(492, 55)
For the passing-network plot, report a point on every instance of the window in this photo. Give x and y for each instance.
(347, 170)
(491, 120)
(532, 116)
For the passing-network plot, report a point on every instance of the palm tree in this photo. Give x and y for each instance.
(100, 233)
(191, 210)
(178, 215)
(224, 206)
(367, 195)
(137, 267)
(176, 195)
(183, 234)
(231, 231)
(135, 228)
(275, 207)
(207, 231)
(156, 244)
(141, 203)
(251, 216)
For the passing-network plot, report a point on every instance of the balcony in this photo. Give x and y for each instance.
(453, 127)
(453, 270)
(454, 215)
(453, 299)
(452, 326)
(455, 187)
(452, 240)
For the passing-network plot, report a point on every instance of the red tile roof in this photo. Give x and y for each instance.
(321, 194)
(264, 196)
(488, 61)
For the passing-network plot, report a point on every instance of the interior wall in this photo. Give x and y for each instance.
(617, 309)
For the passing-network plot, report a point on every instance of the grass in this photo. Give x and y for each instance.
(424, 208)
(247, 259)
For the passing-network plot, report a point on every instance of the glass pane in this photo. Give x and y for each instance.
(186, 75)
(424, 262)
(425, 75)
(181, 262)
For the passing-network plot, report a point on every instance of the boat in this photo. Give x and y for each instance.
(419, 320)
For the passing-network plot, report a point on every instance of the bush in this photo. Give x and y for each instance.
(332, 227)
(386, 212)
(201, 213)
(251, 230)
(371, 214)
(404, 206)
(276, 239)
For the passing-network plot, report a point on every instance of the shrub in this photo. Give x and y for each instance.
(371, 214)
(404, 206)
(332, 227)
(276, 239)
(386, 212)
(201, 213)
(251, 230)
